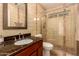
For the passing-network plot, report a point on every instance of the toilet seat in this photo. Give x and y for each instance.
(46, 44)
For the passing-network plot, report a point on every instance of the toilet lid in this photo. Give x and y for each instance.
(46, 44)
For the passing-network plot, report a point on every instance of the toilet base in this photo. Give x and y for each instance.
(46, 53)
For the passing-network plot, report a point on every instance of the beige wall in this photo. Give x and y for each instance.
(32, 13)
(30, 22)
(77, 23)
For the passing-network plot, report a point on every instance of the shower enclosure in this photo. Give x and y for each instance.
(60, 29)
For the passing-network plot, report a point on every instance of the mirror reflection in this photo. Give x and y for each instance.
(15, 15)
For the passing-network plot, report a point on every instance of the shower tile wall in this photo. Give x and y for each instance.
(70, 28)
(63, 28)
(54, 33)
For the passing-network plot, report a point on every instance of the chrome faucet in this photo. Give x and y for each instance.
(22, 36)
(19, 36)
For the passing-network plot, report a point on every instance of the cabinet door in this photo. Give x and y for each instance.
(40, 48)
(40, 51)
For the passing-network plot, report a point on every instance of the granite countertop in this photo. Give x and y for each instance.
(8, 48)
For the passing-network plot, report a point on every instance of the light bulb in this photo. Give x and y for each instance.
(34, 19)
(38, 19)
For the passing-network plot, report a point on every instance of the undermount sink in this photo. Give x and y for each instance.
(23, 42)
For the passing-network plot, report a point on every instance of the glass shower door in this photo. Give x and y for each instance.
(61, 32)
(55, 33)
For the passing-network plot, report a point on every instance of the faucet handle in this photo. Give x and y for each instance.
(15, 39)
(19, 36)
(22, 36)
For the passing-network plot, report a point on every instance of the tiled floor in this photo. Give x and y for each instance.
(60, 53)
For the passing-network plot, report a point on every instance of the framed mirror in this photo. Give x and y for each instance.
(14, 16)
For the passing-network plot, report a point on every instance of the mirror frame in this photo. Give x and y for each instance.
(5, 18)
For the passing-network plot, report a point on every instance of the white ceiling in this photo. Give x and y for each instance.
(51, 5)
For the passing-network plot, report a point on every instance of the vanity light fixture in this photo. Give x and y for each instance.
(36, 19)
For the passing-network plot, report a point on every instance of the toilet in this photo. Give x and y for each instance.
(47, 47)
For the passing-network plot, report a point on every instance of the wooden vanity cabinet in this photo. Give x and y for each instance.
(35, 49)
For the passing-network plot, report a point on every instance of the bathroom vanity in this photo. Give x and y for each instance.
(32, 49)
